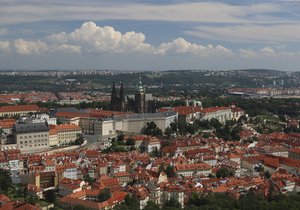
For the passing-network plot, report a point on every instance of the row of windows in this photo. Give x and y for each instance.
(35, 141)
(36, 145)
(34, 136)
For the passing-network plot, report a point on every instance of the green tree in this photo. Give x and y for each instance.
(172, 203)
(25, 191)
(267, 175)
(120, 137)
(79, 140)
(224, 172)
(80, 207)
(33, 200)
(121, 206)
(170, 171)
(104, 195)
(151, 206)
(130, 142)
(151, 129)
(132, 202)
(88, 179)
(50, 196)
(168, 132)
(5, 180)
(197, 199)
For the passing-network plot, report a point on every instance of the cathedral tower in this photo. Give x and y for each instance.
(114, 101)
(122, 105)
(140, 99)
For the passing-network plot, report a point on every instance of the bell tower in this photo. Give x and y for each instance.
(122, 99)
(140, 98)
(114, 99)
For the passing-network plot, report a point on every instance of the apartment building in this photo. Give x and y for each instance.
(188, 170)
(63, 134)
(8, 111)
(31, 137)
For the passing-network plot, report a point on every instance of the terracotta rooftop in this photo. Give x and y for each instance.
(19, 108)
(7, 123)
(296, 150)
(192, 167)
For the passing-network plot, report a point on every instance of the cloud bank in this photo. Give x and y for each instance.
(93, 39)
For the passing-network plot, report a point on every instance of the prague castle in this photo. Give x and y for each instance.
(140, 102)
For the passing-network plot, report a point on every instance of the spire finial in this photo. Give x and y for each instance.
(140, 85)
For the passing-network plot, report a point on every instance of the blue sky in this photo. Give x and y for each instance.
(149, 35)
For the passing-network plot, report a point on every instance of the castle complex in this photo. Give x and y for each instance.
(139, 103)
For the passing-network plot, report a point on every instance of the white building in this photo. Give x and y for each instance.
(220, 113)
(44, 117)
(134, 123)
(31, 137)
(70, 173)
(151, 144)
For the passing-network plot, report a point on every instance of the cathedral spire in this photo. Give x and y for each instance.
(114, 98)
(140, 86)
(140, 98)
(122, 93)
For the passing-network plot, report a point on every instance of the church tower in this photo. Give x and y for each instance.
(122, 105)
(114, 101)
(140, 98)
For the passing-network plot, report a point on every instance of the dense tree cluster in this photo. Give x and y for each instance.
(5, 181)
(256, 106)
(79, 140)
(224, 172)
(151, 129)
(104, 195)
(228, 131)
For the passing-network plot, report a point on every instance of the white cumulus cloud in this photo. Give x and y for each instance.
(67, 48)
(181, 46)
(30, 47)
(247, 53)
(268, 51)
(93, 38)
(4, 46)
(90, 38)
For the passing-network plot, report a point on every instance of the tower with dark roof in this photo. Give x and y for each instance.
(114, 101)
(122, 105)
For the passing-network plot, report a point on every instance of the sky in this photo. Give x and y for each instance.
(149, 34)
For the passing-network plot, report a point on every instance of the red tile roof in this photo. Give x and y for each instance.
(296, 150)
(192, 167)
(214, 109)
(7, 123)
(64, 128)
(19, 108)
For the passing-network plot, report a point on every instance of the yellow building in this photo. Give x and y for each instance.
(63, 134)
